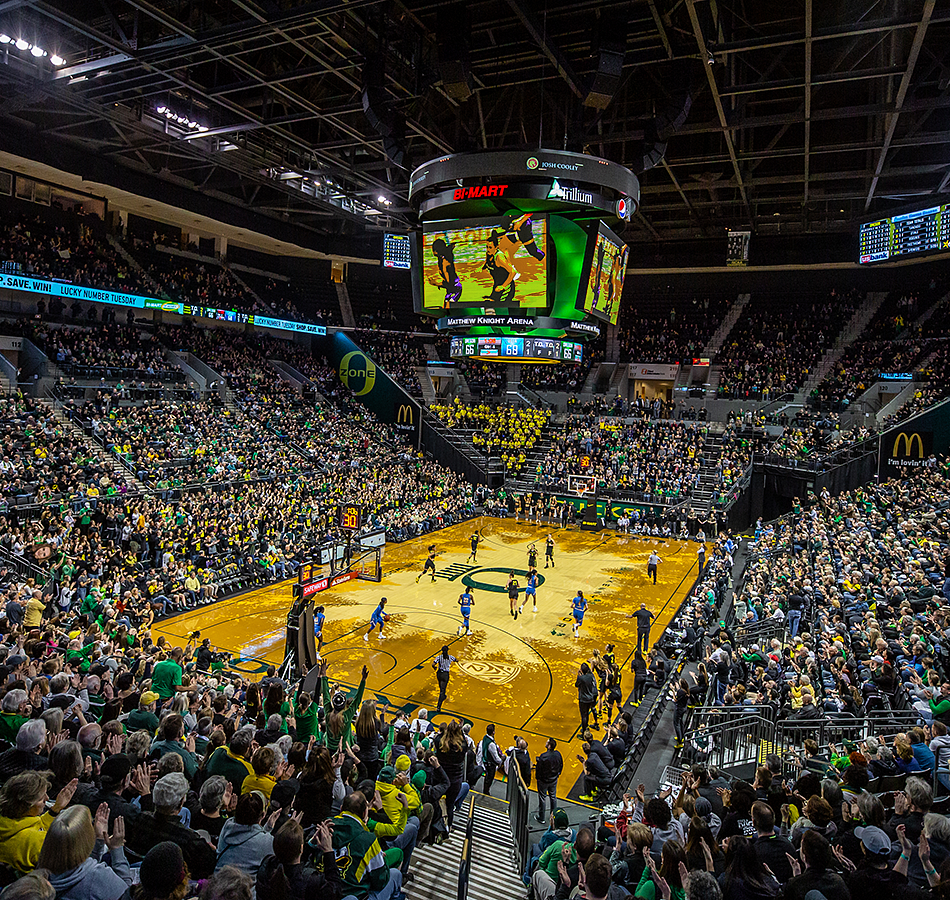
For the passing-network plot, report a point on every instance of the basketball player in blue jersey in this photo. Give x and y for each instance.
(531, 590)
(379, 618)
(318, 620)
(466, 602)
(580, 607)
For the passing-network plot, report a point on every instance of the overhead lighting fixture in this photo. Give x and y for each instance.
(710, 58)
(57, 60)
(22, 44)
(5, 39)
(37, 51)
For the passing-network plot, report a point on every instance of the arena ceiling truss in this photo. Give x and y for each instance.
(769, 115)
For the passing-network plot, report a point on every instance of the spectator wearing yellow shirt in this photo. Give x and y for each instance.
(267, 769)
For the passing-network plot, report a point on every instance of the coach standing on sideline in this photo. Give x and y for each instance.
(442, 664)
(586, 686)
(547, 769)
(644, 619)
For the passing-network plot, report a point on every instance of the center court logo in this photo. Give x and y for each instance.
(358, 372)
(493, 672)
(473, 579)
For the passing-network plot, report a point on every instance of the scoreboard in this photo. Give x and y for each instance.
(923, 231)
(516, 349)
(396, 251)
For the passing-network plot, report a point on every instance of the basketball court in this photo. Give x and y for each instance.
(518, 674)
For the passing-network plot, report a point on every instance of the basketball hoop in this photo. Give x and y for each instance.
(581, 484)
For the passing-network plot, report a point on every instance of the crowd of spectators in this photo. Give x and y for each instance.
(654, 458)
(484, 379)
(64, 246)
(812, 436)
(288, 300)
(105, 351)
(504, 430)
(200, 441)
(399, 353)
(569, 377)
(774, 345)
(857, 587)
(165, 771)
(43, 461)
(198, 282)
(670, 329)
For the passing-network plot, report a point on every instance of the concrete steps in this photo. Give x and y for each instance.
(849, 334)
(346, 308)
(714, 344)
(119, 469)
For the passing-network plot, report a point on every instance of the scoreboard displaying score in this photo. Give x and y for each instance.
(397, 252)
(922, 231)
(350, 518)
(516, 349)
(520, 255)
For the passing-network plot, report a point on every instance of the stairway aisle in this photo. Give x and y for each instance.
(493, 875)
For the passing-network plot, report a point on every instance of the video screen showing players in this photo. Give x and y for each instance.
(604, 285)
(497, 263)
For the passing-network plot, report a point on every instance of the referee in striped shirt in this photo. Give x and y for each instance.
(442, 664)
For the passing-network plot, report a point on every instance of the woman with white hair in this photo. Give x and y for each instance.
(28, 753)
(420, 725)
(14, 711)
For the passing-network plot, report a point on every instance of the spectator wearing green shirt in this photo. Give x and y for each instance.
(166, 676)
(173, 727)
(231, 761)
(144, 717)
(305, 716)
(940, 705)
(14, 713)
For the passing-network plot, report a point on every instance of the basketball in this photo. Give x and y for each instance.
(385, 617)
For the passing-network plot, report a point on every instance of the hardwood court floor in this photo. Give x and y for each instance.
(518, 674)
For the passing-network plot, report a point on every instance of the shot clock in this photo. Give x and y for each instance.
(350, 517)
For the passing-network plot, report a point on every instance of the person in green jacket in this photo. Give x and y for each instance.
(940, 706)
(339, 728)
(672, 857)
(360, 858)
(305, 716)
(231, 761)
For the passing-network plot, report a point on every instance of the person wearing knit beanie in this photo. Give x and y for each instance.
(163, 871)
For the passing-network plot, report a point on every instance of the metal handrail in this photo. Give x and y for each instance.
(627, 769)
(465, 864)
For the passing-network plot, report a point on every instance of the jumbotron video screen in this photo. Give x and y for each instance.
(498, 263)
(604, 284)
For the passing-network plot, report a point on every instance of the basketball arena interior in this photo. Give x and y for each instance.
(487, 451)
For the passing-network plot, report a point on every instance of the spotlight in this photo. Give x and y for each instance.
(56, 60)
(161, 109)
(381, 199)
(5, 39)
(37, 51)
(22, 45)
(710, 59)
